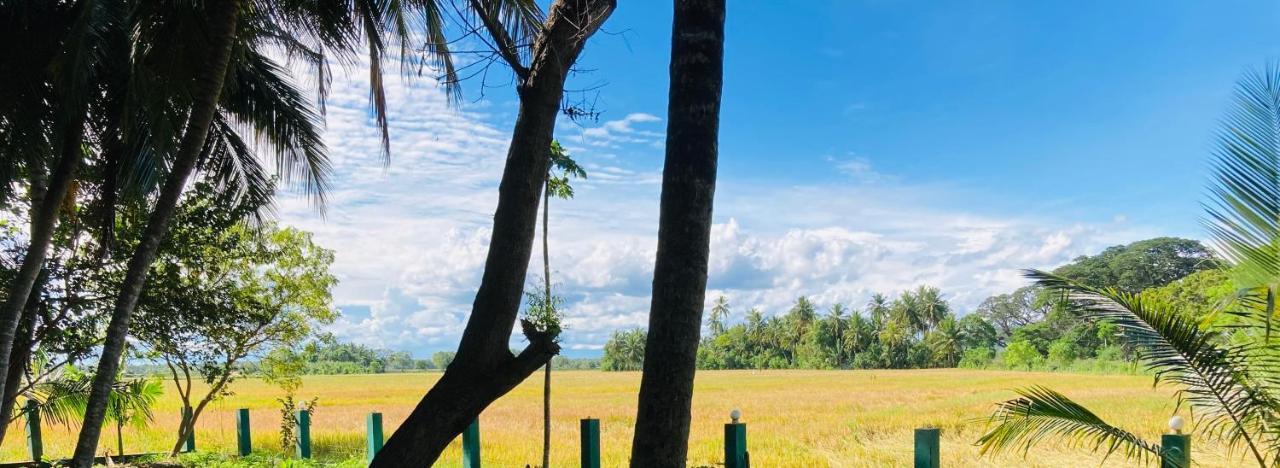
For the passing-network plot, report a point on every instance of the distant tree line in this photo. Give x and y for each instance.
(1025, 329)
(328, 356)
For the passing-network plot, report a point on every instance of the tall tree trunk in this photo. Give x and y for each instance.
(21, 357)
(684, 235)
(222, 27)
(20, 348)
(546, 281)
(484, 368)
(44, 218)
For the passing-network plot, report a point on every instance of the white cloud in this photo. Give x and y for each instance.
(411, 237)
(616, 133)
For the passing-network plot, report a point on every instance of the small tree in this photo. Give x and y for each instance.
(224, 290)
(442, 359)
(282, 367)
(719, 315)
(624, 351)
(1021, 354)
(545, 318)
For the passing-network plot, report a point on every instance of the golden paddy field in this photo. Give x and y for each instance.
(795, 418)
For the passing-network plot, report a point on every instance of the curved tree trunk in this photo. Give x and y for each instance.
(44, 218)
(21, 356)
(20, 348)
(222, 26)
(484, 368)
(684, 235)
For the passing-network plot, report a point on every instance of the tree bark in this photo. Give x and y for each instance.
(223, 18)
(484, 368)
(684, 235)
(44, 218)
(20, 349)
(21, 358)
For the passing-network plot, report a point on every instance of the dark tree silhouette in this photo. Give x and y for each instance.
(684, 235)
(484, 368)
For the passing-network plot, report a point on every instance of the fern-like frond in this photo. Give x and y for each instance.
(1040, 413)
(1224, 384)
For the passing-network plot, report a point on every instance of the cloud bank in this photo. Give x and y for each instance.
(411, 236)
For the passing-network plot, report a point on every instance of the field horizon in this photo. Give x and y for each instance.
(795, 417)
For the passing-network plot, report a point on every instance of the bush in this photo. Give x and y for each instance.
(977, 358)
(1021, 355)
(1061, 353)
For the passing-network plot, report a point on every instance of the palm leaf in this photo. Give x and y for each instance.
(1224, 385)
(260, 98)
(1040, 413)
(1244, 207)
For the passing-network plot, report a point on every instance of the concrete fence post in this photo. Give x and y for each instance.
(244, 441)
(590, 443)
(304, 434)
(927, 450)
(373, 431)
(471, 445)
(35, 445)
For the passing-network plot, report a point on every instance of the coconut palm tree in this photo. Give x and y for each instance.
(199, 62)
(684, 234)
(48, 82)
(1226, 369)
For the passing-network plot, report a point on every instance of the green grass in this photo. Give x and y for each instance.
(795, 418)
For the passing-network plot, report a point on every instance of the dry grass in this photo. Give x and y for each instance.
(795, 418)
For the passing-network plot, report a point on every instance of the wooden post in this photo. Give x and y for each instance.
(1175, 451)
(927, 452)
(373, 430)
(735, 446)
(304, 434)
(590, 443)
(188, 445)
(471, 445)
(35, 445)
(244, 442)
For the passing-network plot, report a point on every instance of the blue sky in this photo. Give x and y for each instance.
(865, 146)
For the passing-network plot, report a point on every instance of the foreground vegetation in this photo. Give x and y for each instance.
(845, 418)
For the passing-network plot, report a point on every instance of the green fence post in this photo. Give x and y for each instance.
(35, 446)
(188, 445)
(590, 443)
(471, 445)
(927, 452)
(735, 443)
(243, 440)
(1175, 451)
(373, 429)
(304, 434)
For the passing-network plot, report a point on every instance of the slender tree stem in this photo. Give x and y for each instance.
(546, 279)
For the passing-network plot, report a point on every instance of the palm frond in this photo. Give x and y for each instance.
(1040, 413)
(1244, 207)
(261, 98)
(1221, 383)
(233, 167)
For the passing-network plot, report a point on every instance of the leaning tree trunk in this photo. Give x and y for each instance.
(222, 28)
(19, 350)
(21, 357)
(684, 235)
(44, 218)
(484, 368)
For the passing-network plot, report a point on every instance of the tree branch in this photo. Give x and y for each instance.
(505, 46)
